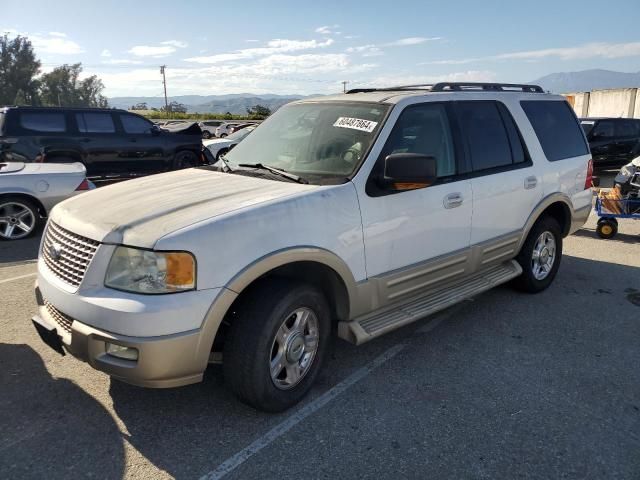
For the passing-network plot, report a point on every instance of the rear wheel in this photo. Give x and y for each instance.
(19, 218)
(277, 344)
(540, 256)
(185, 159)
(607, 228)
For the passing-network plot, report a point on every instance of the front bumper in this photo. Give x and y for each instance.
(163, 362)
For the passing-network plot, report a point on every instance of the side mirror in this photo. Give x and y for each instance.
(155, 130)
(409, 171)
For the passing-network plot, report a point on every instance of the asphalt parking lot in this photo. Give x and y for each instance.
(507, 385)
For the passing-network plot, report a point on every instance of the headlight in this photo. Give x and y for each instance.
(144, 271)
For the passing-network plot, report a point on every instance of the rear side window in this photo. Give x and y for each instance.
(50, 122)
(627, 128)
(486, 134)
(604, 129)
(557, 129)
(133, 124)
(95, 123)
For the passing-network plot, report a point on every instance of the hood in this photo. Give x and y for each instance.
(139, 212)
(215, 141)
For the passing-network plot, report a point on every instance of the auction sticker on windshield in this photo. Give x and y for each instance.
(356, 124)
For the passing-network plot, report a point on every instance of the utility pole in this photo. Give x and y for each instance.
(344, 86)
(164, 83)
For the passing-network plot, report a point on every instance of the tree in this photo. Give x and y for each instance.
(63, 87)
(18, 69)
(259, 112)
(140, 106)
(175, 107)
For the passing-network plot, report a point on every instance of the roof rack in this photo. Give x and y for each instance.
(458, 87)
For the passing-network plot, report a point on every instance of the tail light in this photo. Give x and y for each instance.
(83, 186)
(588, 183)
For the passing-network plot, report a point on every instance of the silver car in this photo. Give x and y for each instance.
(29, 190)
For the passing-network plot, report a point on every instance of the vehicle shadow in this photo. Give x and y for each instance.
(619, 237)
(50, 427)
(191, 430)
(18, 251)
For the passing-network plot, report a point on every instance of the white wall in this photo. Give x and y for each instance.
(620, 102)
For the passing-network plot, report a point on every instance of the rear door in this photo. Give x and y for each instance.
(506, 184)
(627, 139)
(99, 139)
(602, 141)
(142, 147)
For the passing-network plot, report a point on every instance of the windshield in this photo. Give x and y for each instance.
(587, 126)
(240, 134)
(313, 140)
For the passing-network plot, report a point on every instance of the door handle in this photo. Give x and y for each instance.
(530, 182)
(453, 200)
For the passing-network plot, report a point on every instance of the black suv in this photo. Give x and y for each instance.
(107, 142)
(614, 142)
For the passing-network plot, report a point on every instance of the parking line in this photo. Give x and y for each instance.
(6, 280)
(243, 455)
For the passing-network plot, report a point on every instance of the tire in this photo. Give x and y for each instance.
(223, 151)
(257, 340)
(538, 251)
(206, 135)
(607, 228)
(185, 159)
(223, 135)
(16, 211)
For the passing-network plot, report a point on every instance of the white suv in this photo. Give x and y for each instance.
(208, 128)
(367, 210)
(224, 129)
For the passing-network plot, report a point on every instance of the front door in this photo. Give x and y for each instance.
(404, 231)
(98, 138)
(142, 146)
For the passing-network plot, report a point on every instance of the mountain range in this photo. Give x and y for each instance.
(564, 82)
(586, 80)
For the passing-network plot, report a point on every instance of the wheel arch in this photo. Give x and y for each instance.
(315, 266)
(26, 196)
(557, 206)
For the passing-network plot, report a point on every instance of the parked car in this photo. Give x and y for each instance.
(221, 146)
(239, 127)
(106, 142)
(225, 129)
(209, 128)
(614, 142)
(28, 191)
(357, 213)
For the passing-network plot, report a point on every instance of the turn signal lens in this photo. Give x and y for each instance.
(180, 271)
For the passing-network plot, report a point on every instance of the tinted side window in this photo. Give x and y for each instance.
(604, 129)
(43, 121)
(486, 134)
(557, 129)
(133, 124)
(424, 129)
(519, 153)
(95, 123)
(626, 128)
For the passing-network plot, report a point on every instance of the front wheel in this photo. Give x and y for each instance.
(276, 345)
(607, 228)
(540, 256)
(206, 135)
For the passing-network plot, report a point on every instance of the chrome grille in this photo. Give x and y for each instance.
(66, 254)
(60, 318)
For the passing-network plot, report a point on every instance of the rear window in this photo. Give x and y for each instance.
(49, 122)
(133, 124)
(95, 123)
(557, 129)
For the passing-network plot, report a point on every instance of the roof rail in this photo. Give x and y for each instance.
(493, 87)
(457, 87)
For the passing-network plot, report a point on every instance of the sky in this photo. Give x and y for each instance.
(306, 47)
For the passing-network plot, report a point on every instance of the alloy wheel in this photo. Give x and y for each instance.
(544, 255)
(16, 220)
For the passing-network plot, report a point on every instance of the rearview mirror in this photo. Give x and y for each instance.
(409, 171)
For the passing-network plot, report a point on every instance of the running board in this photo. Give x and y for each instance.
(368, 327)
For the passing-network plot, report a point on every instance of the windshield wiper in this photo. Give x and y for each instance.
(277, 171)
